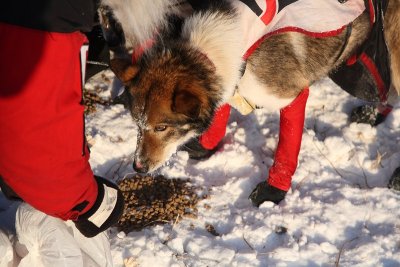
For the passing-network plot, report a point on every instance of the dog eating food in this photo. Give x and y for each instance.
(270, 52)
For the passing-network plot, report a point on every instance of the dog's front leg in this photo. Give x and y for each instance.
(285, 163)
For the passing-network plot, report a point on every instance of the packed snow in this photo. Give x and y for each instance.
(339, 211)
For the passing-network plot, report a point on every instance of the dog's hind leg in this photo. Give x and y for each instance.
(392, 35)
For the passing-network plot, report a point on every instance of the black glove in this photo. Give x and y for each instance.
(105, 212)
(265, 192)
(104, 37)
(99, 53)
(112, 31)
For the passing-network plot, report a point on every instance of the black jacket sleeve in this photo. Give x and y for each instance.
(50, 15)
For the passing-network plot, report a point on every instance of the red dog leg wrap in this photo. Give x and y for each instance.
(291, 130)
(214, 134)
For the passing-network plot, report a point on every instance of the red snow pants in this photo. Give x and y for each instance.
(43, 154)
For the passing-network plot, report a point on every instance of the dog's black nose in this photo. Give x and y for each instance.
(140, 167)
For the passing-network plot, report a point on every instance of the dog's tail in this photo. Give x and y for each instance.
(141, 18)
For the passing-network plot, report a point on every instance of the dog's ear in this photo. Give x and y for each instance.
(124, 69)
(186, 103)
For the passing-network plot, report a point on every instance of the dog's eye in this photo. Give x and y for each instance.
(160, 128)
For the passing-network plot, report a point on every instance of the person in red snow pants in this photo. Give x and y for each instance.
(44, 157)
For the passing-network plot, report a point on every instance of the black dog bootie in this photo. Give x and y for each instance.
(265, 192)
(368, 114)
(394, 182)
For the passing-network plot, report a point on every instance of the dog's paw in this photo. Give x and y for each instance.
(367, 114)
(265, 192)
(197, 151)
(394, 182)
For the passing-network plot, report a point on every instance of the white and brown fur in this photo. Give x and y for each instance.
(176, 86)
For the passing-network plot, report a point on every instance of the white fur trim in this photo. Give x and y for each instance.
(140, 18)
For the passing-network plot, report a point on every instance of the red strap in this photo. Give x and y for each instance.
(291, 29)
(270, 12)
(290, 134)
(371, 12)
(373, 69)
(139, 51)
(217, 129)
(384, 109)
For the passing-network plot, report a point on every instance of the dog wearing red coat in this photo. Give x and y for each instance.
(178, 88)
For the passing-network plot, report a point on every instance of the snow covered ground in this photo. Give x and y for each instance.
(337, 213)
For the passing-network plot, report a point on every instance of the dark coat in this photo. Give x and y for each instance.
(50, 15)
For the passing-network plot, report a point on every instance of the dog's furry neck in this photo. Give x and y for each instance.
(215, 32)
(217, 35)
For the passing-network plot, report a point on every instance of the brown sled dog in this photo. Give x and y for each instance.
(194, 67)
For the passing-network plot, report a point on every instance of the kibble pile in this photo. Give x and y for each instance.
(155, 200)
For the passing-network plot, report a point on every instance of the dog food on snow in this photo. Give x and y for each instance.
(155, 200)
